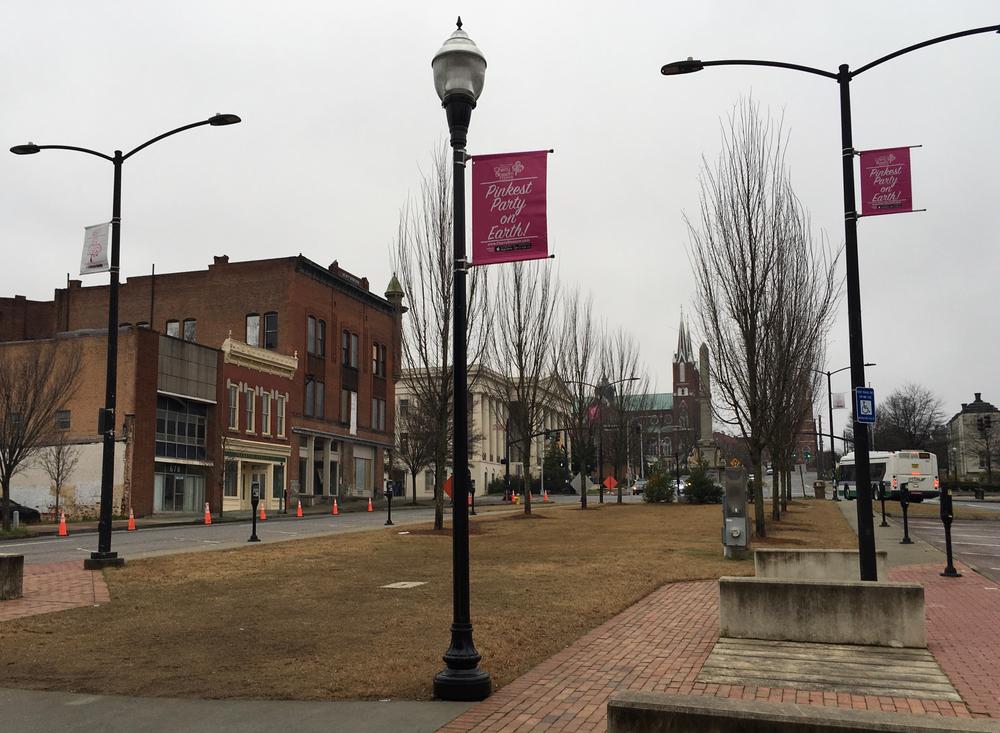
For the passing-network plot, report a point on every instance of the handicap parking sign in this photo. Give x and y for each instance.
(864, 405)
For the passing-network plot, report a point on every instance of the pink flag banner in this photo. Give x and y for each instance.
(508, 207)
(885, 182)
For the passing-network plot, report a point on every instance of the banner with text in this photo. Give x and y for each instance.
(508, 207)
(95, 249)
(885, 182)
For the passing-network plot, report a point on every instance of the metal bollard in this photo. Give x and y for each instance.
(254, 501)
(388, 497)
(881, 496)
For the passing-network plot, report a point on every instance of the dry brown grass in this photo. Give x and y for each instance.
(309, 620)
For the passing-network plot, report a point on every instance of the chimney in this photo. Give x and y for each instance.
(220, 260)
(394, 294)
(75, 284)
(979, 397)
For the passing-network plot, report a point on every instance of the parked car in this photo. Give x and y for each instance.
(26, 514)
(639, 486)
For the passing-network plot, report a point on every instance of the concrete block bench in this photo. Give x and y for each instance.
(813, 564)
(11, 577)
(650, 712)
(830, 612)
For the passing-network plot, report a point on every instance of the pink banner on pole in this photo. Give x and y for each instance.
(885, 182)
(508, 207)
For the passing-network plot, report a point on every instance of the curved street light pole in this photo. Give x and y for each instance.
(104, 557)
(843, 77)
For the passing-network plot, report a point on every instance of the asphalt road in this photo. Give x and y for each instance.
(974, 542)
(170, 539)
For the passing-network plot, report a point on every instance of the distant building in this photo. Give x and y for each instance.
(974, 441)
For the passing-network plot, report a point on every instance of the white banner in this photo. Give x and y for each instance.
(839, 402)
(354, 413)
(95, 249)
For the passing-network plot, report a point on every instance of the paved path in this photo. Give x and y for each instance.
(56, 587)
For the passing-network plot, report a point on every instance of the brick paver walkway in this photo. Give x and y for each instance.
(661, 643)
(56, 587)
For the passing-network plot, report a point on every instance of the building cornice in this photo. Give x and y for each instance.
(261, 360)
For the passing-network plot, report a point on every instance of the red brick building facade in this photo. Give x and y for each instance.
(303, 399)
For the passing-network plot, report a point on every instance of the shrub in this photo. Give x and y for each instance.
(701, 488)
(658, 489)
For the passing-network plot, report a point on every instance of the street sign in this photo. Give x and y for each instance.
(448, 485)
(864, 405)
(610, 483)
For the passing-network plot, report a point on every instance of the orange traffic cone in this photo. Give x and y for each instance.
(131, 520)
(263, 514)
(63, 532)
(298, 512)
(370, 504)
(208, 514)
(545, 497)
(335, 510)
(470, 500)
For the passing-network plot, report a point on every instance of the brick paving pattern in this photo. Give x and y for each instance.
(56, 587)
(661, 643)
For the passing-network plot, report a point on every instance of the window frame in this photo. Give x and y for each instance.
(176, 328)
(194, 330)
(345, 348)
(256, 330)
(320, 337)
(270, 319)
(279, 414)
(63, 419)
(310, 396)
(233, 396)
(311, 335)
(250, 409)
(265, 413)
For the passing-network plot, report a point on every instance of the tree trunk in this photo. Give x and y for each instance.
(414, 487)
(527, 478)
(439, 469)
(776, 491)
(760, 528)
(5, 504)
(785, 490)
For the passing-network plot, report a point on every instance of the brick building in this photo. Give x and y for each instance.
(302, 396)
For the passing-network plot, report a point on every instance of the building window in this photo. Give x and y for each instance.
(354, 350)
(311, 335)
(62, 419)
(271, 330)
(229, 480)
(253, 329)
(345, 405)
(278, 484)
(234, 406)
(345, 348)
(362, 475)
(190, 326)
(180, 429)
(279, 415)
(378, 360)
(174, 329)
(142, 324)
(250, 405)
(320, 338)
(378, 414)
(310, 396)
(429, 482)
(320, 400)
(265, 413)
(404, 408)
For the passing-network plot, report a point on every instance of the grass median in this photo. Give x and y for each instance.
(310, 619)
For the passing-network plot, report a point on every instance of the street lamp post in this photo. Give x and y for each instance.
(843, 77)
(459, 72)
(104, 557)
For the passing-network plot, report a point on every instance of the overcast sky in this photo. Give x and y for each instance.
(339, 114)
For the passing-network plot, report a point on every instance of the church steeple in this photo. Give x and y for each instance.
(685, 352)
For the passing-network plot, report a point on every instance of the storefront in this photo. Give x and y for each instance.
(250, 464)
(179, 488)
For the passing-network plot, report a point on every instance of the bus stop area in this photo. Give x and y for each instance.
(663, 644)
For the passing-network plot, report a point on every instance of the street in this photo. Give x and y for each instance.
(974, 542)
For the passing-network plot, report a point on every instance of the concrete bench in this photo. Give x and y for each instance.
(813, 564)
(651, 712)
(11, 577)
(829, 612)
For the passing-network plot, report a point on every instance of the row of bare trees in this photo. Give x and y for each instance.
(531, 346)
(766, 294)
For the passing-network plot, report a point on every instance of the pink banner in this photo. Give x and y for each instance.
(885, 182)
(508, 207)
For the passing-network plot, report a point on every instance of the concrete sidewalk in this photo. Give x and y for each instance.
(30, 711)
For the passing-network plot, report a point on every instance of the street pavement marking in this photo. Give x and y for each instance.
(212, 542)
(976, 544)
(294, 534)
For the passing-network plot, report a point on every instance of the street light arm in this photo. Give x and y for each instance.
(756, 62)
(79, 150)
(160, 137)
(940, 39)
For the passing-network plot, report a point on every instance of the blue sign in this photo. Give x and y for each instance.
(864, 405)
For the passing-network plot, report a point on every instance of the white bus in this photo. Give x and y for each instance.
(917, 469)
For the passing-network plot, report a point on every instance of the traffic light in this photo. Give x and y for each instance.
(808, 456)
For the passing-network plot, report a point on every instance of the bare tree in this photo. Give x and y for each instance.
(524, 352)
(909, 418)
(59, 462)
(620, 363)
(985, 441)
(743, 251)
(36, 381)
(414, 443)
(579, 366)
(424, 261)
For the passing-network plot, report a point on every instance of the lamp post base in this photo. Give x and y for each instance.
(101, 560)
(462, 685)
(950, 572)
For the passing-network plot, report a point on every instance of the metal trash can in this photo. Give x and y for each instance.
(819, 489)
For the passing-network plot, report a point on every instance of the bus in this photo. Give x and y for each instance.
(916, 468)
